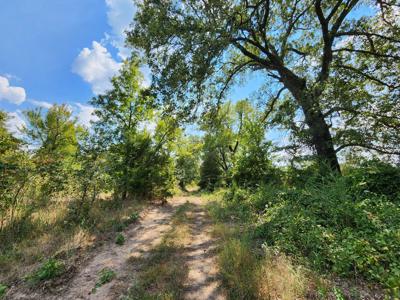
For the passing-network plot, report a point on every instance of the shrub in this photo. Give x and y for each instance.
(336, 229)
(50, 269)
(376, 177)
(120, 239)
(134, 217)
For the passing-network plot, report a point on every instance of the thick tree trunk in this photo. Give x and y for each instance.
(321, 137)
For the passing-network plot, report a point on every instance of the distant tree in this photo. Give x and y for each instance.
(210, 171)
(15, 172)
(53, 137)
(224, 131)
(197, 50)
(253, 162)
(120, 110)
(138, 158)
(187, 160)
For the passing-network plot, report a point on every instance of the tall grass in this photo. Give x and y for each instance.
(50, 231)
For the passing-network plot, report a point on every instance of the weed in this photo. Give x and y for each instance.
(3, 290)
(134, 217)
(238, 268)
(278, 278)
(119, 226)
(120, 239)
(48, 270)
(338, 294)
(105, 275)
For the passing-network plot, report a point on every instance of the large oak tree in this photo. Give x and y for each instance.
(195, 48)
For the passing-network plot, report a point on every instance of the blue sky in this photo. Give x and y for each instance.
(57, 51)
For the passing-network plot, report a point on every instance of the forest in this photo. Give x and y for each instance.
(296, 188)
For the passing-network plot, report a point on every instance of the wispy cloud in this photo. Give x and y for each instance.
(85, 115)
(43, 104)
(119, 16)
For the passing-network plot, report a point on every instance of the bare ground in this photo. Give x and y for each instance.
(202, 281)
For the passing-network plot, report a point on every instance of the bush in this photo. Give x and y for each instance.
(48, 270)
(335, 228)
(134, 217)
(376, 177)
(120, 239)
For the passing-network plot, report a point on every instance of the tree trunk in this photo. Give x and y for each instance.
(321, 137)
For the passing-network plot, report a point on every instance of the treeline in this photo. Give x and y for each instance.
(131, 152)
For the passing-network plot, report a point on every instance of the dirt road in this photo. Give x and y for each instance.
(199, 254)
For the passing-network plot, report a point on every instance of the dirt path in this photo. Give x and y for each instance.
(139, 239)
(199, 254)
(202, 281)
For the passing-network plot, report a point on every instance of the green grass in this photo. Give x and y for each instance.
(106, 275)
(120, 239)
(50, 269)
(3, 290)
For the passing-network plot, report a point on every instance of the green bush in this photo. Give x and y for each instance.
(48, 270)
(376, 177)
(134, 217)
(120, 239)
(336, 229)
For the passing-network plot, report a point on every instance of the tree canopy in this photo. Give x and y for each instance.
(197, 50)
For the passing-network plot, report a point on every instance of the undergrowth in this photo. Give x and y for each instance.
(331, 225)
(106, 275)
(3, 290)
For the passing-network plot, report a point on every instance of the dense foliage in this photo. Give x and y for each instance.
(334, 224)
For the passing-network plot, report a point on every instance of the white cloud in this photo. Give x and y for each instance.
(15, 122)
(85, 114)
(11, 94)
(120, 15)
(43, 104)
(96, 66)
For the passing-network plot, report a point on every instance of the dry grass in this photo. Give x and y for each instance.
(49, 232)
(248, 276)
(248, 272)
(278, 278)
